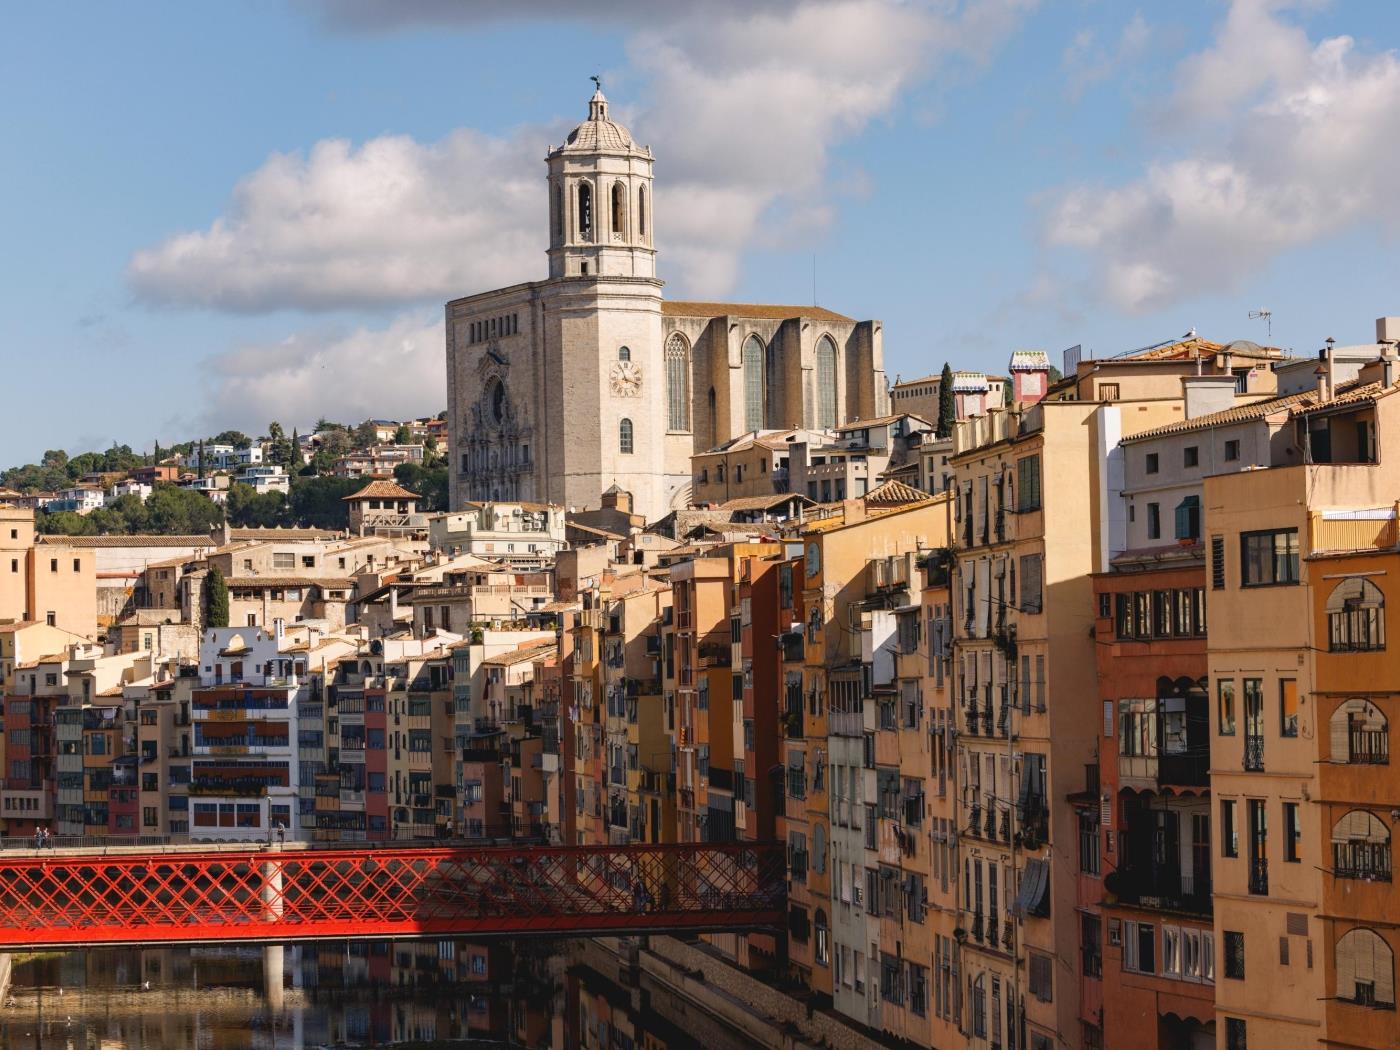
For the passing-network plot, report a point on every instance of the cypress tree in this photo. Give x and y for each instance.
(215, 599)
(947, 414)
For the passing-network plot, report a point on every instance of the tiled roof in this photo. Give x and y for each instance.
(761, 502)
(134, 540)
(1029, 360)
(528, 654)
(276, 532)
(382, 490)
(969, 381)
(878, 421)
(1294, 404)
(253, 582)
(765, 311)
(895, 491)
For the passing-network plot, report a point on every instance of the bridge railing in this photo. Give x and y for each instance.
(65, 898)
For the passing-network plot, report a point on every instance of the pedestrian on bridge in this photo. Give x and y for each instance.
(38, 837)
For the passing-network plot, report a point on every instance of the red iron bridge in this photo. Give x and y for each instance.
(63, 898)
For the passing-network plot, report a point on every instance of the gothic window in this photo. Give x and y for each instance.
(624, 437)
(826, 383)
(641, 211)
(1355, 616)
(1365, 969)
(755, 383)
(624, 354)
(619, 209)
(677, 383)
(1361, 847)
(585, 210)
(558, 211)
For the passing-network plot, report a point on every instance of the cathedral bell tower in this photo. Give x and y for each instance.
(600, 204)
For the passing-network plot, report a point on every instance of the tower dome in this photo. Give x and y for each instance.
(598, 133)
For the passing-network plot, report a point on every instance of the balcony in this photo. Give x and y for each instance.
(1158, 888)
(1254, 754)
(846, 723)
(1368, 747)
(1259, 877)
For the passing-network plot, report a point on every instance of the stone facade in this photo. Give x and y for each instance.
(558, 389)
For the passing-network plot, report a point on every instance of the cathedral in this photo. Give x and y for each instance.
(558, 389)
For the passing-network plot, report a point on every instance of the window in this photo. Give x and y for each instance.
(1154, 521)
(826, 383)
(1088, 843)
(1108, 392)
(1232, 450)
(1288, 707)
(624, 353)
(624, 437)
(641, 211)
(755, 383)
(1225, 702)
(1191, 456)
(1365, 969)
(1188, 518)
(1361, 847)
(1031, 597)
(619, 209)
(1359, 734)
(1355, 616)
(585, 211)
(1028, 483)
(1042, 977)
(1269, 558)
(1091, 945)
(823, 938)
(677, 383)
(1234, 955)
(1139, 947)
(1217, 563)
(1151, 465)
(1235, 1034)
(1229, 832)
(1292, 833)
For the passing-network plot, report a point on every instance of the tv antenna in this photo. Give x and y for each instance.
(1267, 316)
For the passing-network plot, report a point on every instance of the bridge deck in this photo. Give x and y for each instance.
(76, 898)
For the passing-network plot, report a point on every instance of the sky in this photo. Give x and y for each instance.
(219, 215)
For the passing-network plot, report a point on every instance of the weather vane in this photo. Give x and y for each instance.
(597, 82)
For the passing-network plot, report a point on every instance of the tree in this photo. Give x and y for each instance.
(215, 599)
(429, 482)
(248, 508)
(947, 411)
(155, 455)
(279, 450)
(236, 438)
(319, 502)
(335, 444)
(201, 457)
(430, 451)
(177, 511)
(403, 436)
(123, 516)
(366, 434)
(63, 523)
(296, 452)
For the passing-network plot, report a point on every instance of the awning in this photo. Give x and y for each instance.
(1034, 898)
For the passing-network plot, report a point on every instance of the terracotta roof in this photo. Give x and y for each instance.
(19, 625)
(382, 490)
(277, 532)
(134, 540)
(761, 502)
(766, 311)
(1294, 404)
(879, 421)
(523, 504)
(895, 492)
(150, 618)
(527, 654)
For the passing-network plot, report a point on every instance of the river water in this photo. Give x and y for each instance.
(532, 993)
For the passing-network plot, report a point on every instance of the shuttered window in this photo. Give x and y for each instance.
(1042, 977)
(1028, 483)
(1365, 969)
(1217, 563)
(1031, 597)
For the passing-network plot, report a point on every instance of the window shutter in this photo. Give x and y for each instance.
(1297, 924)
(1339, 730)
(1217, 563)
(1108, 719)
(1346, 967)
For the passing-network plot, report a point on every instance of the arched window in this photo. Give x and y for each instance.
(1365, 969)
(558, 210)
(755, 383)
(624, 436)
(1355, 616)
(826, 383)
(677, 383)
(624, 354)
(1361, 847)
(585, 210)
(641, 212)
(711, 419)
(1360, 734)
(619, 209)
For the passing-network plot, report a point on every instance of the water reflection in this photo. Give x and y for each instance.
(531, 993)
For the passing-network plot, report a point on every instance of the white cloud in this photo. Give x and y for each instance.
(1308, 138)
(394, 372)
(743, 104)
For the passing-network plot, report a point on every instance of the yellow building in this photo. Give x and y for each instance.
(45, 582)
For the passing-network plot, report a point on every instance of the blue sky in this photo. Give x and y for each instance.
(218, 215)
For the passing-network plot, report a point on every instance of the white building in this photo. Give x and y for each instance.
(266, 479)
(245, 774)
(83, 499)
(518, 533)
(129, 487)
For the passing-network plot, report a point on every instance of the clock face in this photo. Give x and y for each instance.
(626, 379)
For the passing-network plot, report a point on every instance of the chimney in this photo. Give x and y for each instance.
(1388, 330)
(1203, 394)
(1324, 382)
